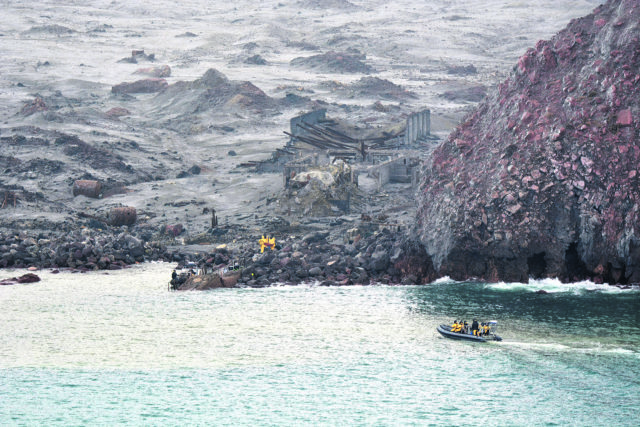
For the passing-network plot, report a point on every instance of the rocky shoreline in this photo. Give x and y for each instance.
(369, 253)
(83, 249)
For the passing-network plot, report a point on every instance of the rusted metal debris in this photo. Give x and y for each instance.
(9, 196)
(88, 188)
(125, 215)
(326, 138)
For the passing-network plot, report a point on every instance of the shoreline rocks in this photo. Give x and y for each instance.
(372, 255)
(25, 278)
(82, 250)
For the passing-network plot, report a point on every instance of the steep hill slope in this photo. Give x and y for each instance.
(541, 180)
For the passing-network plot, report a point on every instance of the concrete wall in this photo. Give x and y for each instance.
(397, 170)
(418, 126)
(384, 175)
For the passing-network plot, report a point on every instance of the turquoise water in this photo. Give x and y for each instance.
(117, 348)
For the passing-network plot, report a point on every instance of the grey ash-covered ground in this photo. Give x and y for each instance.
(163, 104)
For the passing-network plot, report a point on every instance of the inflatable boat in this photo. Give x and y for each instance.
(445, 331)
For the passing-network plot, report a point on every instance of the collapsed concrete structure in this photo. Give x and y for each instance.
(333, 155)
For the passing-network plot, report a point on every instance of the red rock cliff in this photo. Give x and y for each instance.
(541, 180)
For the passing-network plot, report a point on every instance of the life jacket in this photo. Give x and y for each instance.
(486, 329)
(453, 327)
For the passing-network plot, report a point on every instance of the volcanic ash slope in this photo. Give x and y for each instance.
(541, 180)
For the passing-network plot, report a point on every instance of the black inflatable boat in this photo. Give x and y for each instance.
(445, 331)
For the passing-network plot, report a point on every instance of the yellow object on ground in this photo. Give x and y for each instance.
(266, 242)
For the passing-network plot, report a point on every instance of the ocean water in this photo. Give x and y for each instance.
(117, 348)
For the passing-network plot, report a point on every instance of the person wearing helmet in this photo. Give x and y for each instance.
(475, 327)
(458, 327)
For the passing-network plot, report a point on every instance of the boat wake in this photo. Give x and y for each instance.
(571, 347)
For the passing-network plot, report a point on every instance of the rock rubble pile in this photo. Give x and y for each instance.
(83, 250)
(314, 258)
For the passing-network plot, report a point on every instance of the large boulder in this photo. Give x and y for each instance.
(541, 179)
(25, 278)
(211, 281)
(150, 85)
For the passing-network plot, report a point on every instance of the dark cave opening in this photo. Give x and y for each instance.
(615, 276)
(574, 266)
(537, 265)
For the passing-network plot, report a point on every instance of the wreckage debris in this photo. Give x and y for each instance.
(88, 188)
(122, 216)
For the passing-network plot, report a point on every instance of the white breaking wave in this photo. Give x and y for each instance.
(556, 286)
(446, 280)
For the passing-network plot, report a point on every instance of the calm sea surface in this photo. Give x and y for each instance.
(117, 348)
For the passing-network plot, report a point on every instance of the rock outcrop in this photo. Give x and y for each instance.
(541, 180)
(335, 62)
(150, 85)
(25, 278)
(214, 91)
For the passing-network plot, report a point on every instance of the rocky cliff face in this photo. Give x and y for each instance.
(541, 180)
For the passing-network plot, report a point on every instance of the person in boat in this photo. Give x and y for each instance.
(475, 327)
(458, 327)
(454, 326)
(486, 328)
(464, 327)
(174, 275)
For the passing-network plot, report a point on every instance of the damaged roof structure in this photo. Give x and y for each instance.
(324, 158)
(316, 141)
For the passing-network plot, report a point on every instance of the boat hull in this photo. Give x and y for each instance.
(445, 331)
